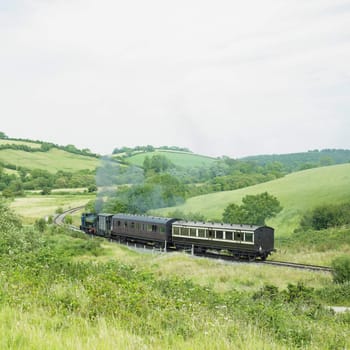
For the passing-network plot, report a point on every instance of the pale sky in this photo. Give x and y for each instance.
(219, 77)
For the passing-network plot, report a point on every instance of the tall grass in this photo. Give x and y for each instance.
(63, 290)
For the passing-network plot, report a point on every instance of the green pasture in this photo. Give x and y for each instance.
(52, 161)
(297, 192)
(178, 158)
(11, 172)
(33, 207)
(24, 143)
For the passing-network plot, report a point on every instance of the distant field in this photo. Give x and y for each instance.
(297, 193)
(53, 160)
(24, 143)
(11, 172)
(33, 207)
(178, 158)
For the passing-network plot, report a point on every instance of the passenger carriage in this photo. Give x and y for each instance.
(241, 241)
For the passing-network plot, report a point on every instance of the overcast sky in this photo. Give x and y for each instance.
(220, 77)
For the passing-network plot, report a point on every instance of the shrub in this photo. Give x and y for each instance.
(326, 216)
(341, 269)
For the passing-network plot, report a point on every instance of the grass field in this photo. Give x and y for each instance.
(220, 275)
(52, 161)
(34, 207)
(178, 158)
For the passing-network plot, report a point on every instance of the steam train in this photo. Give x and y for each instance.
(240, 241)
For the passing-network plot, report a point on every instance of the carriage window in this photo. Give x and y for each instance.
(210, 234)
(238, 236)
(219, 235)
(228, 235)
(154, 228)
(193, 232)
(138, 226)
(248, 237)
(162, 229)
(201, 232)
(125, 223)
(149, 228)
(118, 223)
(184, 231)
(132, 225)
(176, 230)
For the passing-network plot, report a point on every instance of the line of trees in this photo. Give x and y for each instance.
(13, 185)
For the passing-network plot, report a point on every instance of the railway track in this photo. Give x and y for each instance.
(298, 266)
(59, 220)
(269, 262)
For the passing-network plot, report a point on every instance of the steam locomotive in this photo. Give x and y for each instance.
(240, 241)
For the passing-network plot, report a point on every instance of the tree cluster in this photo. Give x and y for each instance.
(12, 185)
(255, 209)
(326, 216)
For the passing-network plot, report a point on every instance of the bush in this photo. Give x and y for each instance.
(326, 216)
(40, 225)
(341, 269)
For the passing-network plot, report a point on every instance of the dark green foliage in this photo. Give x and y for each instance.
(189, 216)
(336, 294)
(159, 191)
(254, 210)
(45, 191)
(39, 179)
(318, 240)
(235, 213)
(326, 216)
(341, 269)
(157, 164)
(40, 225)
(92, 188)
(301, 161)
(45, 147)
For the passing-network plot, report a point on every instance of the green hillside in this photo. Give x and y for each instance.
(297, 193)
(184, 159)
(52, 160)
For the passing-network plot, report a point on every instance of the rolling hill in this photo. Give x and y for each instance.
(297, 192)
(52, 159)
(183, 159)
